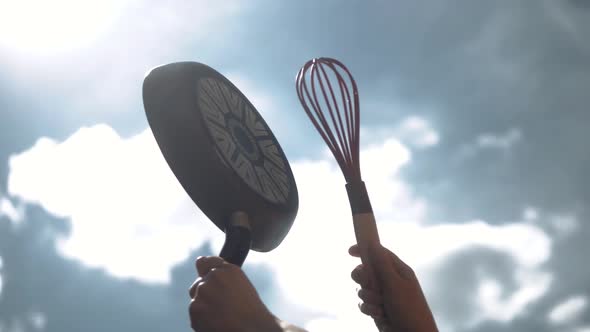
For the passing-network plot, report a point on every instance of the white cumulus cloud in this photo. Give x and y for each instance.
(129, 213)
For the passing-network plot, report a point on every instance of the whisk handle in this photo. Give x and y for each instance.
(365, 227)
(366, 233)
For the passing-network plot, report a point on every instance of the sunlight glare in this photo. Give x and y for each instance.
(38, 26)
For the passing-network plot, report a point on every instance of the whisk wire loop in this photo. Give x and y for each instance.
(340, 131)
(323, 129)
(338, 126)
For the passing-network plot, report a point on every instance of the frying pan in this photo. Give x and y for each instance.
(223, 154)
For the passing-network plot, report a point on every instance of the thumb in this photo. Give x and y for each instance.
(206, 264)
(382, 264)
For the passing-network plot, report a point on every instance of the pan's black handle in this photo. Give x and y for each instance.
(237, 244)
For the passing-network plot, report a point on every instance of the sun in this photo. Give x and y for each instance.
(42, 26)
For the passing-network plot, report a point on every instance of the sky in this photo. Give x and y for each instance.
(473, 148)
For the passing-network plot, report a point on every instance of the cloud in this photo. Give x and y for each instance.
(418, 132)
(121, 191)
(413, 132)
(9, 210)
(499, 307)
(74, 296)
(568, 310)
(117, 192)
(52, 95)
(504, 141)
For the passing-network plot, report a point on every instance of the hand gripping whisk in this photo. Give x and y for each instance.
(324, 90)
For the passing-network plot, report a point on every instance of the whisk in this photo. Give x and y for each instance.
(334, 111)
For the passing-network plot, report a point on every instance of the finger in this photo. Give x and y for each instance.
(197, 262)
(382, 261)
(192, 291)
(354, 251)
(383, 324)
(360, 276)
(205, 290)
(402, 269)
(369, 296)
(205, 264)
(197, 310)
(196, 306)
(371, 309)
